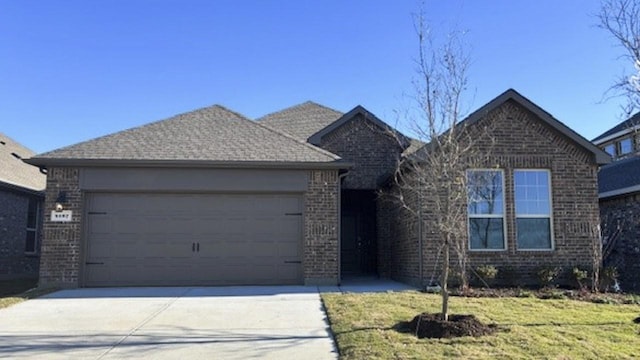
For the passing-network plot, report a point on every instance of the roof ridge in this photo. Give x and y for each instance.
(297, 106)
(310, 146)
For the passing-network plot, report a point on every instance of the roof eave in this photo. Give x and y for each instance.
(619, 192)
(60, 162)
(21, 189)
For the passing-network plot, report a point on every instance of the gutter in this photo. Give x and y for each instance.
(46, 162)
(618, 192)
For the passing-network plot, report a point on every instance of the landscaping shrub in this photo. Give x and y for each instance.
(579, 276)
(547, 275)
(486, 274)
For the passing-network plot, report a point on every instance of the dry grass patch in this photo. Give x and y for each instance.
(16, 291)
(365, 327)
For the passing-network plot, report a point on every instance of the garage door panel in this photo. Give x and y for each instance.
(184, 239)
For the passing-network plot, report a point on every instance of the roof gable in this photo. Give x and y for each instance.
(14, 171)
(600, 156)
(301, 121)
(349, 116)
(213, 134)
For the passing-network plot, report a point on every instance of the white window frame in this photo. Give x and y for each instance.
(535, 216)
(34, 230)
(488, 216)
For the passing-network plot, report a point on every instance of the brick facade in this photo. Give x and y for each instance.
(14, 263)
(321, 228)
(374, 153)
(61, 247)
(623, 212)
(521, 141)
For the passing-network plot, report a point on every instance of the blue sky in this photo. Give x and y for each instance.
(74, 70)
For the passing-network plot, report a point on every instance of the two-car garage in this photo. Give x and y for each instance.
(192, 239)
(164, 227)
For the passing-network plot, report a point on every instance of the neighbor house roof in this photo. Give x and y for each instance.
(14, 171)
(601, 157)
(301, 121)
(622, 128)
(619, 178)
(208, 136)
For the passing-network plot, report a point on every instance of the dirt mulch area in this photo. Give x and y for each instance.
(548, 293)
(431, 325)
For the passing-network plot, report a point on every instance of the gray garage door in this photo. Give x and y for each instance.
(193, 239)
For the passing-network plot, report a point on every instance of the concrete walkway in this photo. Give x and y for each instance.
(286, 322)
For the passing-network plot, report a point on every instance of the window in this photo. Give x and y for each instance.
(626, 146)
(31, 244)
(486, 209)
(533, 209)
(610, 149)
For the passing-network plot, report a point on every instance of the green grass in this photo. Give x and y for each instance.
(530, 328)
(16, 291)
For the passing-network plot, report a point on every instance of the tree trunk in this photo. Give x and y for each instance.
(445, 280)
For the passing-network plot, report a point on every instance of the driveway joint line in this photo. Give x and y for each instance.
(144, 322)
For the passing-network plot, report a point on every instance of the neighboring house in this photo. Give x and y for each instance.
(619, 193)
(21, 198)
(210, 197)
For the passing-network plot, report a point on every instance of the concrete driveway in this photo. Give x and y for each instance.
(284, 322)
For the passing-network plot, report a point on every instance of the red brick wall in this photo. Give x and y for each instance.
(61, 246)
(321, 228)
(374, 153)
(521, 141)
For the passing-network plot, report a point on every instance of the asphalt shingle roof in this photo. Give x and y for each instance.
(619, 175)
(301, 121)
(213, 134)
(16, 172)
(627, 124)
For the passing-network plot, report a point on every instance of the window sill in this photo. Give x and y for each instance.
(486, 250)
(535, 250)
(32, 255)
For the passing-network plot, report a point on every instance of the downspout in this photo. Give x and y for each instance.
(339, 230)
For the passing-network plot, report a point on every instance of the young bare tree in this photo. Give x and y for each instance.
(621, 19)
(432, 183)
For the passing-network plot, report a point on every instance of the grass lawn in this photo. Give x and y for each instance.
(530, 328)
(15, 291)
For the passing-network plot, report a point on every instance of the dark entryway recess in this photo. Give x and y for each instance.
(358, 233)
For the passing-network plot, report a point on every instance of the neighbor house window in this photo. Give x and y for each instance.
(610, 149)
(31, 244)
(486, 209)
(533, 209)
(626, 146)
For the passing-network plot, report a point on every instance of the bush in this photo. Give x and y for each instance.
(547, 275)
(579, 276)
(486, 274)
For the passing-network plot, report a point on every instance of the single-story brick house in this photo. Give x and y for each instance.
(619, 193)
(210, 198)
(21, 199)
